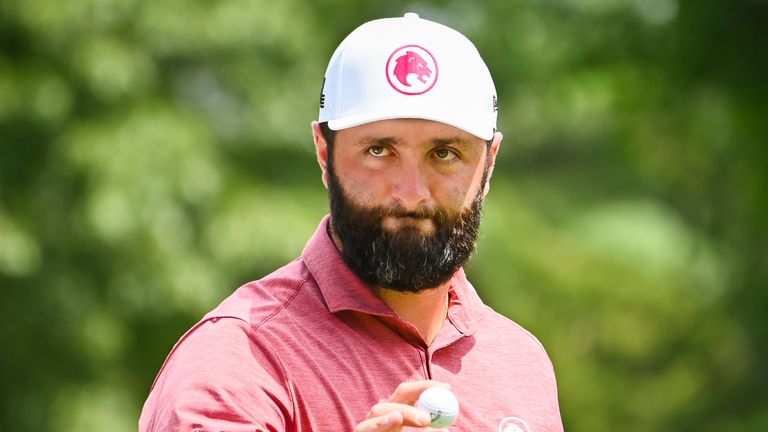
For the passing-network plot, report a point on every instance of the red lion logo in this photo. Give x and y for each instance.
(411, 63)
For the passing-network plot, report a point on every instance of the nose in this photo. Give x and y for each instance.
(409, 185)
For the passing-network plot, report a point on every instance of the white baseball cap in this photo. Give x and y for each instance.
(408, 67)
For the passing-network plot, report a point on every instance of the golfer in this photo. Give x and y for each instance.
(377, 307)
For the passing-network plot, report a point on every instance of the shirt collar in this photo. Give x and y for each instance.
(343, 290)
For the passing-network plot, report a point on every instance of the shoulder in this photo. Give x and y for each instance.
(224, 367)
(512, 338)
(231, 331)
(218, 349)
(521, 365)
(219, 375)
(216, 378)
(259, 301)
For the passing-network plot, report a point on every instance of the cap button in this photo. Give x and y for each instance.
(411, 15)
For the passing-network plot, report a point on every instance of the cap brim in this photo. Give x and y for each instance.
(360, 119)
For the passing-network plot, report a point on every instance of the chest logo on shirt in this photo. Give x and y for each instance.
(513, 424)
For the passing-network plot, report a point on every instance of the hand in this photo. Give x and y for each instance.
(399, 411)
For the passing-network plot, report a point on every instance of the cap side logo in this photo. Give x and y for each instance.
(322, 94)
(411, 70)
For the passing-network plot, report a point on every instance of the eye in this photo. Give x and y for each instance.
(378, 151)
(445, 155)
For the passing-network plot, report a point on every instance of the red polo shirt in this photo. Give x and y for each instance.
(311, 348)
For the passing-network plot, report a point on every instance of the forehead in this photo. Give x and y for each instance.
(407, 131)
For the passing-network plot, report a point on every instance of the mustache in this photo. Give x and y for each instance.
(423, 212)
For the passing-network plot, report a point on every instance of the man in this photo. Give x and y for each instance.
(377, 308)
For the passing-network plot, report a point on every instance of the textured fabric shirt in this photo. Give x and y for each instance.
(311, 348)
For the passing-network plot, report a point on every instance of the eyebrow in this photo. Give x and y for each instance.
(451, 140)
(381, 141)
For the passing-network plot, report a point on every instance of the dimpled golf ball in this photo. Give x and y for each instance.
(442, 405)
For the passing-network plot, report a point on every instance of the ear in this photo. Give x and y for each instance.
(495, 144)
(321, 148)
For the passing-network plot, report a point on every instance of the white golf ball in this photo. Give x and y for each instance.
(442, 405)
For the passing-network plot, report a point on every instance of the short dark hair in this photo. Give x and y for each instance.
(328, 133)
(330, 136)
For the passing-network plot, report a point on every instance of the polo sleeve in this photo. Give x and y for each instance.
(219, 377)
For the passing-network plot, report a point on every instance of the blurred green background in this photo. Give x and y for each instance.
(154, 155)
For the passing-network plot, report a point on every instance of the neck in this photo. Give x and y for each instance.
(425, 310)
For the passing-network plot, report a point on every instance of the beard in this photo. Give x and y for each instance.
(404, 259)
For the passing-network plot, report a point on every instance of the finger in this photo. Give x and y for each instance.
(411, 415)
(390, 422)
(408, 392)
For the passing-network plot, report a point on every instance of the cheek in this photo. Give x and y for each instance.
(465, 199)
(360, 188)
(353, 179)
(466, 187)
(453, 193)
